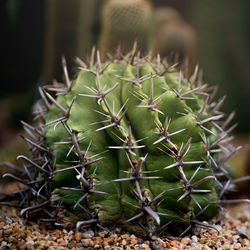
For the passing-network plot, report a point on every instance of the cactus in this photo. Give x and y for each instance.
(123, 23)
(130, 143)
(165, 15)
(174, 38)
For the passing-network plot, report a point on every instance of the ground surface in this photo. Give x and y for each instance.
(16, 233)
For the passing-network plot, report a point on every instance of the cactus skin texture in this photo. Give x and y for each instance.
(130, 143)
(123, 23)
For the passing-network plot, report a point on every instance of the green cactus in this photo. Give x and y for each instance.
(123, 23)
(130, 143)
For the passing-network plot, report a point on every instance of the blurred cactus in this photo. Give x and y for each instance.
(123, 23)
(174, 38)
(165, 15)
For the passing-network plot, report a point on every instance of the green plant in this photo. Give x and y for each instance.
(129, 143)
(123, 23)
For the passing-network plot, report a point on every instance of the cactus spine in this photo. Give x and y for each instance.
(128, 143)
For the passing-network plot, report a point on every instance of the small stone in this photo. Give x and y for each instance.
(124, 236)
(145, 246)
(91, 243)
(237, 246)
(3, 244)
(88, 234)
(71, 232)
(43, 242)
(193, 245)
(78, 236)
(63, 243)
(85, 242)
(8, 220)
(194, 238)
(101, 234)
(186, 241)
(133, 241)
(225, 246)
(117, 248)
(20, 243)
(124, 242)
(174, 243)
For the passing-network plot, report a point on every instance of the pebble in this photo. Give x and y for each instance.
(194, 238)
(22, 235)
(78, 236)
(88, 234)
(85, 242)
(124, 242)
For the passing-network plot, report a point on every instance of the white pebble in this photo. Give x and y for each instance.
(8, 220)
(243, 230)
(194, 238)
(88, 234)
(3, 244)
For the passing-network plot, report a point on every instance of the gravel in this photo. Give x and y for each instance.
(17, 233)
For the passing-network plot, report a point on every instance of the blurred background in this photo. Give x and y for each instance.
(35, 35)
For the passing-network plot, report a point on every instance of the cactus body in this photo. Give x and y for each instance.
(131, 144)
(123, 23)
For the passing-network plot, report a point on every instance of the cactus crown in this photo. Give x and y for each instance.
(128, 143)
